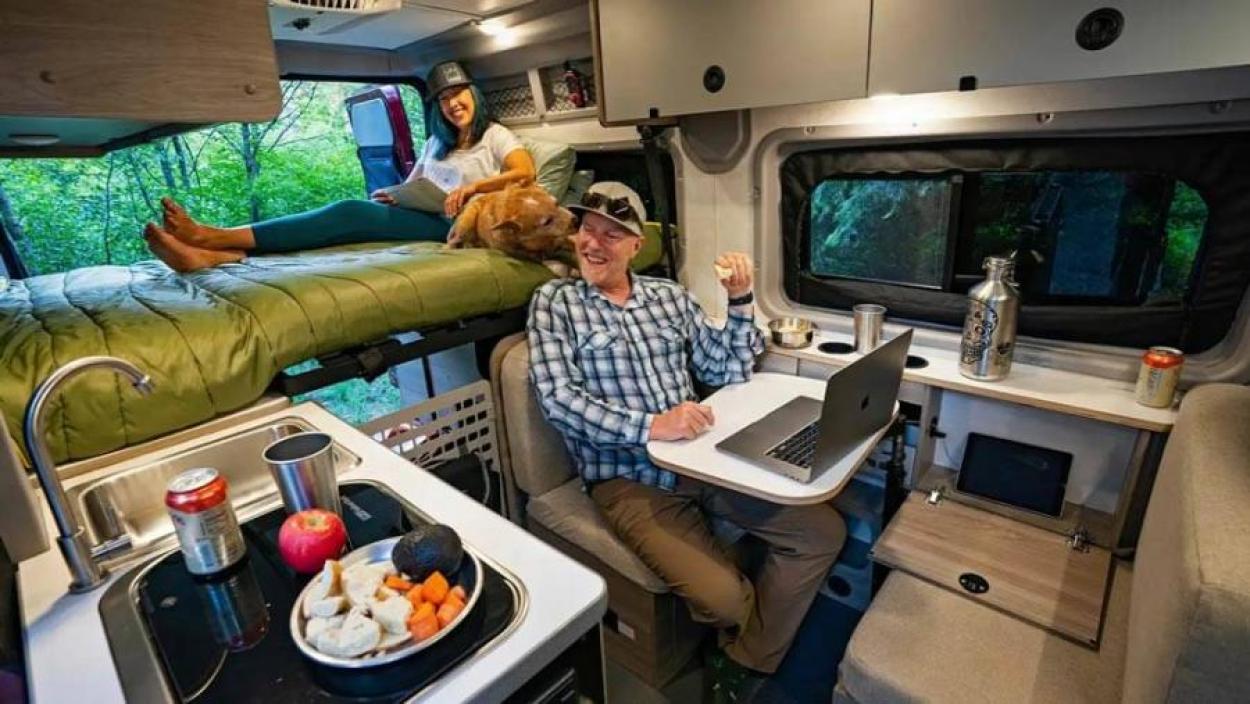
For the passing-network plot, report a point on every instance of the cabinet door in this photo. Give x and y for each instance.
(653, 54)
(923, 46)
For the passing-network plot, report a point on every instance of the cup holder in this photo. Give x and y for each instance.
(836, 347)
(914, 362)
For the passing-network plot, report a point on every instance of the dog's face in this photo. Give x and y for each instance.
(530, 223)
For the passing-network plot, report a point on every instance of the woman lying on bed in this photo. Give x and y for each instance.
(466, 146)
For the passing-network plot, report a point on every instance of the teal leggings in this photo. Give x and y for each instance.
(348, 222)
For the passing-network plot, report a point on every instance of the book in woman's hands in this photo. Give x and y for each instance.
(418, 194)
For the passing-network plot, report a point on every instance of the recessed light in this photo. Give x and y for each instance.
(491, 27)
(34, 140)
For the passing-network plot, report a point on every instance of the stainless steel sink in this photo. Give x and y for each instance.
(131, 504)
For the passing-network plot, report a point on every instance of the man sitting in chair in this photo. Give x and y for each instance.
(610, 355)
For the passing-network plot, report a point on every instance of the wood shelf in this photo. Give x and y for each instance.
(1032, 573)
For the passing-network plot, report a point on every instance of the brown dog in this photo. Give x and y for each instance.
(523, 221)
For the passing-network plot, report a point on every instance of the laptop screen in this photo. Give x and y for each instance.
(1014, 473)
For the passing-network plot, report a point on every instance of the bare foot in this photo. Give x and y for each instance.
(183, 257)
(179, 223)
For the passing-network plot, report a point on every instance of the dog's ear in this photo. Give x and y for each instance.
(506, 229)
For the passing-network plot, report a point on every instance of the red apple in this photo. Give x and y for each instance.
(308, 538)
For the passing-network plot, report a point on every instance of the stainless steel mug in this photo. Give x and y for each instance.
(869, 317)
(302, 465)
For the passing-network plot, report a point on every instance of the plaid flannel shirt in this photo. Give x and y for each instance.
(602, 372)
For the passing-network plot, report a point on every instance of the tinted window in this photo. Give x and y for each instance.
(1082, 237)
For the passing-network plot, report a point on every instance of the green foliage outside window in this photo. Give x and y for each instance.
(69, 213)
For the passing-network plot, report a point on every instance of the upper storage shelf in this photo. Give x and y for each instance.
(658, 59)
(931, 46)
(83, 76)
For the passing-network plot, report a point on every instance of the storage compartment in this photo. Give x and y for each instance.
(962, 44)
(663, 58)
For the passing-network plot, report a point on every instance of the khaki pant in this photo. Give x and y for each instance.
(670, 532)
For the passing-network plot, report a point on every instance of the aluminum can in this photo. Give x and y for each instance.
(208, 530)
(989, 337)
(1159, 374)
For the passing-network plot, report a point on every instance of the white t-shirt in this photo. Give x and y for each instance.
(462, 166)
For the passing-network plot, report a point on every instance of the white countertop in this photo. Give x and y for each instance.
(68, 659)
(738, 405)
(1109, 400)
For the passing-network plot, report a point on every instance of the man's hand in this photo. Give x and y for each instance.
(734, 271)
(381, 196)
(456, 200)
(682, 422)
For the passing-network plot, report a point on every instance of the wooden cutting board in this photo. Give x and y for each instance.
(1023, 570)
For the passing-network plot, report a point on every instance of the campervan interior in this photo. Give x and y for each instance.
(237, 384)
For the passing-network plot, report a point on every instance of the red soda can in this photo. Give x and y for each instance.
(1159, 374)
(208, 530)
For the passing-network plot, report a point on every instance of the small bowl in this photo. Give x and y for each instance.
(791, 332)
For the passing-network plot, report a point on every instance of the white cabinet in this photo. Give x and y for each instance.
(929, 45)
(662, 58)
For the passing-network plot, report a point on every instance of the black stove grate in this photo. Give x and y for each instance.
(227, 639)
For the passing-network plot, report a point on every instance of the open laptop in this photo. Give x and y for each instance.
(805, 437)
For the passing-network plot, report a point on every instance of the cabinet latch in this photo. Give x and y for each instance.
(1078, 539)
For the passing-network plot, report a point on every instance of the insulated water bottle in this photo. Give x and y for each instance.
(990, 325)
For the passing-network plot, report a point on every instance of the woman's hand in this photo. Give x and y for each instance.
(381, 196)
(457, 198)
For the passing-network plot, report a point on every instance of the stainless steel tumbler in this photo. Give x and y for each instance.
(869, 317)
(302, 465)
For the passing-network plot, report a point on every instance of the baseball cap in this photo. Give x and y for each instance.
(448, 74)
(616, 202)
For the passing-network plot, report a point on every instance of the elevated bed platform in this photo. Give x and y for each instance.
(215, 340)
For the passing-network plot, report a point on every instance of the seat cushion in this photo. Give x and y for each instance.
(1189, 631)
(921, 642)
(568, 512)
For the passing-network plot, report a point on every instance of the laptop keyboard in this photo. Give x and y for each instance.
(798, 448)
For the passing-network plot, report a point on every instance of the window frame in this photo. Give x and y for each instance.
(1206, 161)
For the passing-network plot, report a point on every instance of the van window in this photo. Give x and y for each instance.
(67, 213)
(1128, 242)
(1081, 237)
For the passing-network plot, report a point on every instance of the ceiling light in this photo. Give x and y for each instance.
(34, 140)
(492, 27)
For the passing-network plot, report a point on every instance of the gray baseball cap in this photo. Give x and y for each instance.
(616, 202)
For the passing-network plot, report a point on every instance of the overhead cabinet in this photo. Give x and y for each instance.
(81, 76)
(660, 59)
(943, 45)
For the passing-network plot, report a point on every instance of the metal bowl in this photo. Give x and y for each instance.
(469, 576)
(791, 332)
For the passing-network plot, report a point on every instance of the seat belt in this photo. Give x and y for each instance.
(659, 191)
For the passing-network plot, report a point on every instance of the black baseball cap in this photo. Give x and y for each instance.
(448, 74)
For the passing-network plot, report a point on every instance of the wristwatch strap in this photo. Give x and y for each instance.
(749, 297)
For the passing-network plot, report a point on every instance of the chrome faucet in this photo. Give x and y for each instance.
(79, 554)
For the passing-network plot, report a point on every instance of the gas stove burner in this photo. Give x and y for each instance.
(914, 362)
(836, 347)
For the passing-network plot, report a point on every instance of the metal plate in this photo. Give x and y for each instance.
(470, 572)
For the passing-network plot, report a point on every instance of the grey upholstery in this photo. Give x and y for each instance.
(545, 487)
(1180, 632)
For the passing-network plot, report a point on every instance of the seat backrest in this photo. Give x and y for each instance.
(1189, 618)
(537, 461)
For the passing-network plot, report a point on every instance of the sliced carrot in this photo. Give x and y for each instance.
(423, 628)
(420, 613)
(414, 597)
(458, 592)
(449, 611)
(398, 583)
(435, 588)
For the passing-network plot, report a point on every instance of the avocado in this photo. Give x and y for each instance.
(427, 549)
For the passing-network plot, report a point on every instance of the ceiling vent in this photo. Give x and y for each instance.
(325, 16)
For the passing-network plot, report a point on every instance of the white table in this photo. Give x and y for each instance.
(736, 407)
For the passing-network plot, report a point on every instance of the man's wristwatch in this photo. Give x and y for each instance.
(748, 297)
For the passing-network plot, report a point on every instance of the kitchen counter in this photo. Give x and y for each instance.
(67, 654)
